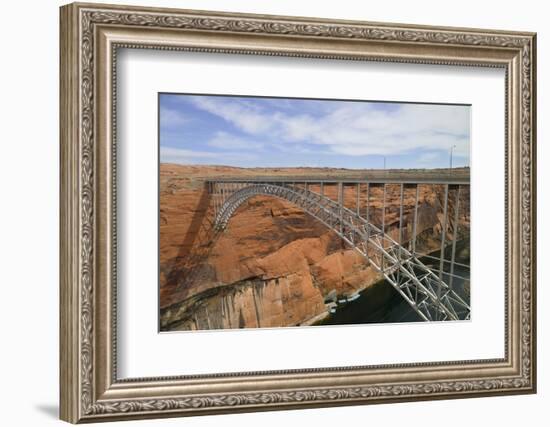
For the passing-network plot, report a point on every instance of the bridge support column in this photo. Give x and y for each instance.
(401, 214)
(400, 222)
(415, 221)
(341, 204)
(443, 237)
(383, 223)
(358, 200)
(214, 199)
(367, 213)
(455, 235)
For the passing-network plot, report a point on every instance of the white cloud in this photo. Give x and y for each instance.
(353, 128)
(172, 118)
(180, 155)
(241, 114)
(428, 157)
(297, 128)
(187, 157)
(228, 141)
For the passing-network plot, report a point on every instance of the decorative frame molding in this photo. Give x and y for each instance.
(90, 36)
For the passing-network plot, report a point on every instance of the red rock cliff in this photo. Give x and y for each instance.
(274, 265)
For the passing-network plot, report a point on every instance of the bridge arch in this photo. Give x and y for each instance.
(321, 208)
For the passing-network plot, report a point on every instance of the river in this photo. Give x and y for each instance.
(381, 303)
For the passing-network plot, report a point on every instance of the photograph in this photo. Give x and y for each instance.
(292, 212)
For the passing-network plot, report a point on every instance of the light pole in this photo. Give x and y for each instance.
(451, 160)
(384, 162)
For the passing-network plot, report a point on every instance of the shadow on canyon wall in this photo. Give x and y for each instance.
(196, 246)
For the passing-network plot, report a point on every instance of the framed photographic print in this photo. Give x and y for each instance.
(265, 212)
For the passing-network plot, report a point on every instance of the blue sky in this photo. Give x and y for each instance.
(286, 132)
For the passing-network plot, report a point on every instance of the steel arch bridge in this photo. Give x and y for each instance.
(423, 288)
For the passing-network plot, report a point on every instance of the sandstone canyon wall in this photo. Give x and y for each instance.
(273, 265)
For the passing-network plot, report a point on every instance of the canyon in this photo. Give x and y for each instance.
(274, 265)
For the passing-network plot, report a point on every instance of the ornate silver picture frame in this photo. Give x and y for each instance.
(91, 37)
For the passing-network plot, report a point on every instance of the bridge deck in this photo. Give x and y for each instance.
(378, 179)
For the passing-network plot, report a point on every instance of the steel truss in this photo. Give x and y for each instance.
(431, 297)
